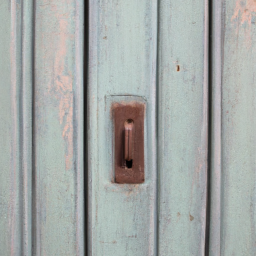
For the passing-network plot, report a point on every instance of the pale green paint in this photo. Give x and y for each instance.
(238, 125)
(167, 218)
(122, 67)
(58, 133)
(54, 190)
(16, 127)
(215, 153)
(182, 126)
(5, 129)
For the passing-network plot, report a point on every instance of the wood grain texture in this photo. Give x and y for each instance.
(122, 68)
(238, 124)
(16, 127)
(182, 126)
(58, 130)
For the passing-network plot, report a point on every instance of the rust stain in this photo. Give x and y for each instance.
(63, 90)
(191, 217)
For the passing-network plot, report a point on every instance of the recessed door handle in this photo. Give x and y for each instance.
(129, 142)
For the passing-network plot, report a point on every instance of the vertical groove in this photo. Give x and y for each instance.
(154, 124)
(206, 111)
(21, 59)
(34, 187)
(86, 54)
(91, 110)
(22, 145)
(208, 206)
(26, 126)
(216, 80)
(157, 128)
(78, 120)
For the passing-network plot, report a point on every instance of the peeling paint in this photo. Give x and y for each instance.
(244, 11)
(63, 91)
(243, 15)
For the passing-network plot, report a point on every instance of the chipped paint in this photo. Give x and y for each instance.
(243, 15)
(63, 90)
(244, 11)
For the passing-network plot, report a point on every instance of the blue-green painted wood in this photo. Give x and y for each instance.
(58, 128)
(216, 149)
(237, 230)
(122, 67)
(16, 127)
(182, 126)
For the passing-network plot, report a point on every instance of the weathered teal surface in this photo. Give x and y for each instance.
(58, 128)
(122, 67)
(16, 127)
(216, 130)
(237, 229)
(182, 126)
(41, 86)
(155, 52)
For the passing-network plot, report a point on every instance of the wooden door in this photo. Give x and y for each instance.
(155, 52)
(41, 128)
(65, 65)
(232, 220)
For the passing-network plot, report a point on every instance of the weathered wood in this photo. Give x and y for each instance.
(16, 127)
(122, 67)
(237, 182)
(58, 128)
(182, 126)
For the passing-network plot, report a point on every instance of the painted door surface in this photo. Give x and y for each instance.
(65, 65)
(155, 51)
(233, 151)
(41, 128)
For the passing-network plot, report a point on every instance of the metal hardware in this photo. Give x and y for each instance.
(129, 142)
(128, 139)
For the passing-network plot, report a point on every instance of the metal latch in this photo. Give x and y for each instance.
(129, 142)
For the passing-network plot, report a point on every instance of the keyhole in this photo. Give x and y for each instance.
(128, 144)
(128, 164)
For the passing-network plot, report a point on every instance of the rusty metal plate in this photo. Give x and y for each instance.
(129, 142)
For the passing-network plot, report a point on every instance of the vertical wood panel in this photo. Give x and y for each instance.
(59, 204)
(122, 67)
(16, 126)
(182, 126)
(216, 166)
(238, 124)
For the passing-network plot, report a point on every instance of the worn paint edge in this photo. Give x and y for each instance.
(215, 199)
(79, 124)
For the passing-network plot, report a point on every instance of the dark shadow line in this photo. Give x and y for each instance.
(34, 190)
(157, 211)
(208, 198)
(86, 69)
